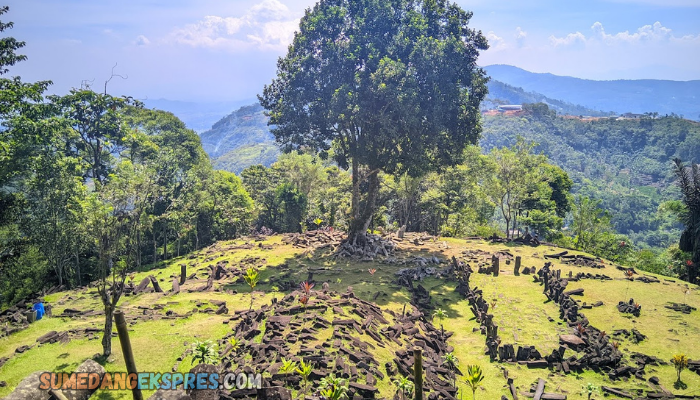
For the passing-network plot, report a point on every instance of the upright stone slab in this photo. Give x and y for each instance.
(516, 270)
(495, 267)
(183, 274)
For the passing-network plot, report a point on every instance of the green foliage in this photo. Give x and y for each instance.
(251, 277)
(204, 352)
(404, 387)
(680, 362)
(333, 388)
(392, 50)
(688, 179)
(590, 389)
(288, 366)
(473, 378)
(304, 369)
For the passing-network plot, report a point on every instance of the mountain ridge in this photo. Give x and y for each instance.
(620, 96)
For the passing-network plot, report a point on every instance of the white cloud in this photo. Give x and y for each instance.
(520, 36)
(142, 41)
(495, 42)
(654, 33)
(568, 40)
(268, 25)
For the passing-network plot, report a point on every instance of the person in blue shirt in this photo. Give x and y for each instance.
(39, 308)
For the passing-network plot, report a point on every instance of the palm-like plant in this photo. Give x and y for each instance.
(251, 277)
(204, 353)
(474, 377)
(333, 388)
(236, 344)
(440, 314)
(680, 362)
(288, 366)
(451, 361)
(304, 369)
(689, 182)
(404, 387)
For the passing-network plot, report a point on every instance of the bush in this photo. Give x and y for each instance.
(485, 231)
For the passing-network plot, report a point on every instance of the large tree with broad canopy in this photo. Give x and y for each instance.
(388, 86)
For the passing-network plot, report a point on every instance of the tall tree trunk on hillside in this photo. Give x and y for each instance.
(165, 240)
(107, 334)
(77, 268)
(363, 211)
(155, 245)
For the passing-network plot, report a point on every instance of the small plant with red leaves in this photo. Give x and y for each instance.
(306, 288)
(372, 271)
(579, 330)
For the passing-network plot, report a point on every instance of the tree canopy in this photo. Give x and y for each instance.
(391, 86)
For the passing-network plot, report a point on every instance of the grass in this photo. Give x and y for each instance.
(521, 313)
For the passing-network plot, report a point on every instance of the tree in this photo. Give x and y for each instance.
(589, 222)
(519, 176)
(390, 86)
(689, 181)
(98, 125)
(115, 217)
(680, 362)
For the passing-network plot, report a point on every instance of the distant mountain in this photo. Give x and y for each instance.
(502, 93)
(197, 116)
(240, 139)
(620, 96)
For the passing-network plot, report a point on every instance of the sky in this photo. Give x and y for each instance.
(226, 50)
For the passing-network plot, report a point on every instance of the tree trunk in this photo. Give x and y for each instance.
(155, 245)
(107, 336)
(363, 211)
(165, 241)
(77, 268)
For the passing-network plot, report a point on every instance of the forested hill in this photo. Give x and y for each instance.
(625, 163)
(241, 139)
(620, 96)
(502, 93)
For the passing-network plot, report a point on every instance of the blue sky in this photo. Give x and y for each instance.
(223, 50)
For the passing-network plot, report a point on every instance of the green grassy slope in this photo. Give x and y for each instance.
(521, 313)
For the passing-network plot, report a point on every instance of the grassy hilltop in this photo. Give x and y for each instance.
(522, 313)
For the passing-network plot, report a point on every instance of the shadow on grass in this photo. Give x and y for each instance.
(680, 385)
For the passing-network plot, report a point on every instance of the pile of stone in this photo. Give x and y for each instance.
(289, 330)
(537, 392)
(680, 307)
(694, 365)
(374, 246)
(581, 275)
(319, 238)
(647, 279)
(634, 335)
(576, 259)
(630, 307)
(405, 276)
